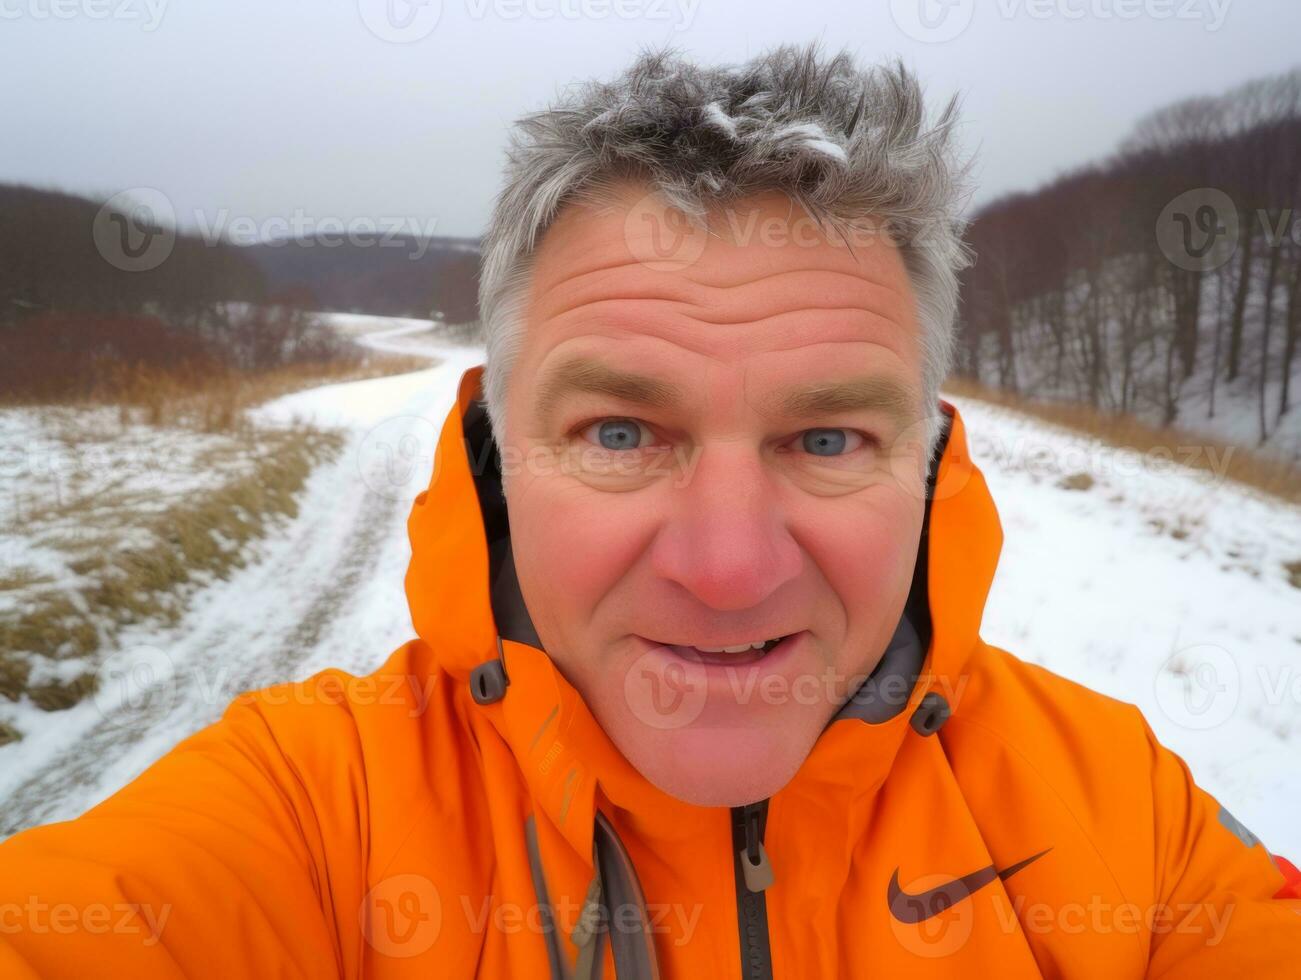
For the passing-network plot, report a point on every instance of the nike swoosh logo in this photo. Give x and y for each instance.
(919, 907)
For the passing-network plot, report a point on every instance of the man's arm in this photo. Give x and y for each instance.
(208, 864)
(1229, 908)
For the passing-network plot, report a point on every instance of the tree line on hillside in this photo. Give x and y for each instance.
(1164, 282)
(380, 274)
(93, 292)
(50, 259)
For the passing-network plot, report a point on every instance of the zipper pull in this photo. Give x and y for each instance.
(589, 917)
(586, 931)
(755, 866)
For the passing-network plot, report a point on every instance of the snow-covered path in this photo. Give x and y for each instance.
(1153, 584)
(1160, 586)
(326, 591)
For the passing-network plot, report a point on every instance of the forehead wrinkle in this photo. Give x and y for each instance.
(711, 313)
(788, 331)
(846, 291)
(794, 311)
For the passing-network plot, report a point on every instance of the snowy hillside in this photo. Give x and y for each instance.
(1162, 587)
(1159, 587)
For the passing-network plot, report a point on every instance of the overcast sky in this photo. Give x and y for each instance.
(369, 109)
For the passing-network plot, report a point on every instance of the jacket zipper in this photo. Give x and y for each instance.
(753, 874)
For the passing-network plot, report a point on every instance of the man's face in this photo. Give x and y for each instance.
(714, 451)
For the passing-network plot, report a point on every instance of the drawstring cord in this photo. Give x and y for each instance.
(587, 931)
(614, 881)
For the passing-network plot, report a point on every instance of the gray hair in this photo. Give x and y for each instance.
(844, 143)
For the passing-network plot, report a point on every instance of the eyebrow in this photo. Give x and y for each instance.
(582, 375)
(879, 393)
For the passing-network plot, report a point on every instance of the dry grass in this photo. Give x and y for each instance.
(201, 535)
(14, 672)
(54, 625)
(216, 402)
(1274, 477)
(206, 395)
(286, 381)
(1293, 569)
(1076, 481)
(20, 578)
(59, 696)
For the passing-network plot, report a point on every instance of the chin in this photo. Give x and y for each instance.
(715, 766)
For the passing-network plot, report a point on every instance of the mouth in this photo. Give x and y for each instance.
(733, 654)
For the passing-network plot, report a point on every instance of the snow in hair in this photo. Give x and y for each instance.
(844, 142)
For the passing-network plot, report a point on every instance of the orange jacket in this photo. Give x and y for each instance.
(394, 826)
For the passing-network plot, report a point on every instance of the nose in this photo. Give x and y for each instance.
(725, 540)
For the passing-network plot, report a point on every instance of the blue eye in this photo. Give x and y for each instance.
(617, 434)
(830, 442)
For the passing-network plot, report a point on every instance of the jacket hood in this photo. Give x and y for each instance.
(466, 606)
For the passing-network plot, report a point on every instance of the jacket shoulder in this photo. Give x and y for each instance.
(376, 744)
(1040, 711)
(378, 757)
(336, 706)
(1045, 729)
(1046, 762)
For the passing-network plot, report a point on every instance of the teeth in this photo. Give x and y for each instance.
(739, 648)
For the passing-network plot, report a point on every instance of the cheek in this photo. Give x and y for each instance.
(573, 545)
(866, 549)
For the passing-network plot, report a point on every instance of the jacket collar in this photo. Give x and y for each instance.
(466, 605)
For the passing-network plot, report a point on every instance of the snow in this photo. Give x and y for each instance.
(816, 139)
(65, 471)
(715, 114)
(326, 591)
(1161, 586)
(1201, 631)
(1206, 403)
